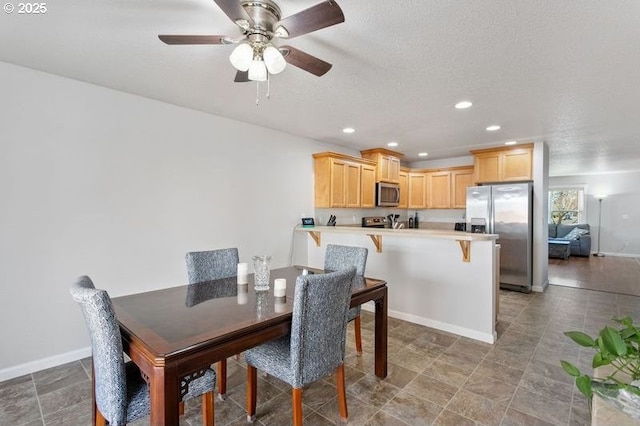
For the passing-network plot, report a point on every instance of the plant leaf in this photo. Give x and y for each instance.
(583, 383)
(599, 360)
(581, 338)
(613, 342)
(570, 369)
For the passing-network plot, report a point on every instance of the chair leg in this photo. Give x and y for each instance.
(252, 385)
(296, 402)
(356, 327)
(222, 379)
(208, 409)
(342, 393)
(181, 408)
(100, 420)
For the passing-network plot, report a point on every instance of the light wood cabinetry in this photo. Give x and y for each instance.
(461, 179)
(503, 164)
(387, 164)
(439, 190)
(367, 186)
(417, 190)
(404, 188)
(339, 182)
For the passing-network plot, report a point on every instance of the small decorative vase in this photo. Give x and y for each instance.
(623, 399)
(261, 265)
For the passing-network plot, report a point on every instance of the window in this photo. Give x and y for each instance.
(566, 205)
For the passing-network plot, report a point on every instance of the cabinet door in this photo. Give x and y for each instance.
(353, 185)
(417, 190)
(487, 167)
(383, 168)
(516, 165)
(404, 190)
(460, 181)
(368, 187)
(338, 183)
(439, 190)
(394, 169)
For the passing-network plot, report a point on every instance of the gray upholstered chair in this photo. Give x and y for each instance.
(120, 393)
(339, 257)
(208, 266)
(316, 345)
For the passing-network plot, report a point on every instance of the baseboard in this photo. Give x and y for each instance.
(540, 288)
(607, 254)
(461, 331)
(44, 363)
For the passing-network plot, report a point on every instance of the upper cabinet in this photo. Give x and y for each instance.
(404, 188)
(439, 190)
(343, 181)
(417, 190)
(387, 164)
(461, 179)
(503, 164)
(447, 188)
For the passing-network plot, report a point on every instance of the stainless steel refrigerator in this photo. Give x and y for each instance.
(506, 209)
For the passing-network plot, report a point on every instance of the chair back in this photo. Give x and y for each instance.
(212, 264)
(339, 257)
(319, 324)
(106, 345)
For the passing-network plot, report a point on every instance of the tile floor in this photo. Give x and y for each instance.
(434, 377)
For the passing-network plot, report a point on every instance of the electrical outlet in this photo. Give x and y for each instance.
(625, 217)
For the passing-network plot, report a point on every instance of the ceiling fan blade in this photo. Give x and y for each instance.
(241, 77)
(197, 39)
(316, 17)
(234, 10)
(304, 61)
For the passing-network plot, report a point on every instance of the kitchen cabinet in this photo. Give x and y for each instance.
(339, 182)
(503, 164)
(368, 186)
(439, 190)
(461, 179)
(417, 190)
(404, 188)
(387, 164)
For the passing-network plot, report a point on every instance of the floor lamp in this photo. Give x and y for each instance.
(599, 198)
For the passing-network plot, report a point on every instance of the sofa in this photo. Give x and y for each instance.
(579, 236)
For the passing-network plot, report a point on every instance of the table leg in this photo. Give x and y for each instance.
(381, 321)
(163, 390)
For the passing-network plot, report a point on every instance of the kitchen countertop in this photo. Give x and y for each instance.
(404, 232)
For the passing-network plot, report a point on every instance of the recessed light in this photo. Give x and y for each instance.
(392, 144)
(463, 105)
(493, 128)
(422, 154)
(348, 130)
(511, 143)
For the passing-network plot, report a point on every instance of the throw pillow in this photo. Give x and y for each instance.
(575, 234)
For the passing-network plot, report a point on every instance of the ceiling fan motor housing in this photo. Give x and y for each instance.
(265, 14)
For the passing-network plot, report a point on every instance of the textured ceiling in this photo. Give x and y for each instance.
(563, 72)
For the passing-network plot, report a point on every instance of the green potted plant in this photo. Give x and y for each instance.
(620, 350)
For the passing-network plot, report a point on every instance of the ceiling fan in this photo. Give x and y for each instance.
(260, 22)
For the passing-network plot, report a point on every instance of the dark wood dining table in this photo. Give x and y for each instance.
(174, 334)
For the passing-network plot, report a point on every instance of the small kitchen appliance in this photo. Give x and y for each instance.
(374, 222)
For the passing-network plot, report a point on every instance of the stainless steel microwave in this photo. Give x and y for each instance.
(387, 194)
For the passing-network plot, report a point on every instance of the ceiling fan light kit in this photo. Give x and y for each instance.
(260, 23)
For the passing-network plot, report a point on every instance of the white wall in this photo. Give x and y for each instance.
(119, 187)
(620, 233)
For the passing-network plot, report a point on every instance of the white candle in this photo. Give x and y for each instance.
(243, 295)
(243, 269)
(279, 287)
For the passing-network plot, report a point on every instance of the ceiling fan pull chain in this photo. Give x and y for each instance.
(268, 87)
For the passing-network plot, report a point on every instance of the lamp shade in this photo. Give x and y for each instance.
(241, 57)
(274, 60)
(257, 70)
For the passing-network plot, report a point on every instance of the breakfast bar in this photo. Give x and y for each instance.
(443, 279)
